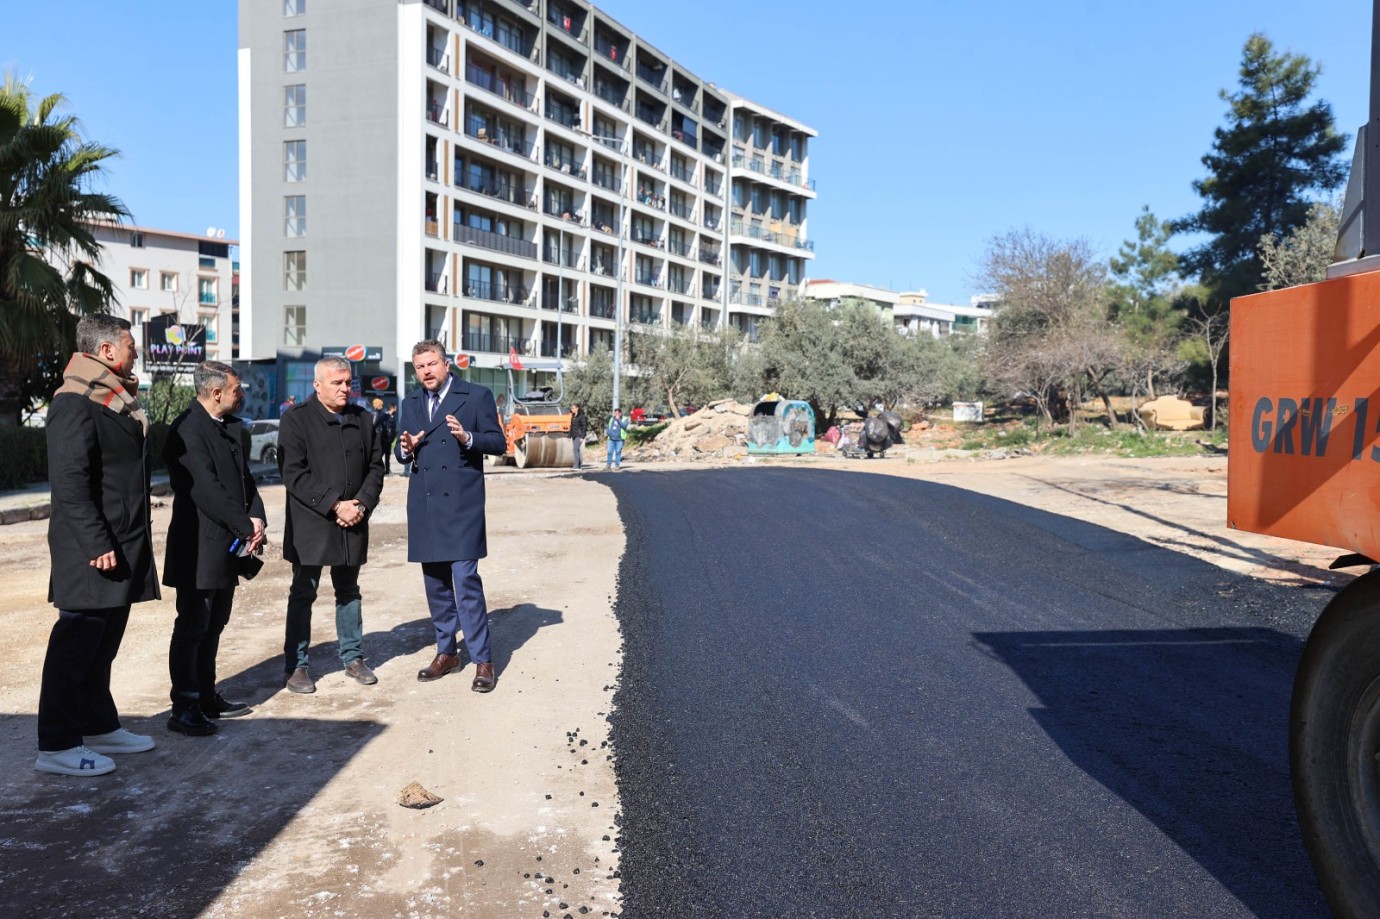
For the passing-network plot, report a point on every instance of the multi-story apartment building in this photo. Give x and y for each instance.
(162, 277)
(504, 175)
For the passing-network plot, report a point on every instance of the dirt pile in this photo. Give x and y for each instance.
(717, 431)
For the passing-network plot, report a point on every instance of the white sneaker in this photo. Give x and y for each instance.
(119, 741)
(76, 761)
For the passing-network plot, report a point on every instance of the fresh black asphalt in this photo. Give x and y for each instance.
(855, 695)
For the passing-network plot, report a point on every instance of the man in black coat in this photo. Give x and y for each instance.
(100, 539)
(217, 516)
(332, 463)
(446, 427)
(384, 429)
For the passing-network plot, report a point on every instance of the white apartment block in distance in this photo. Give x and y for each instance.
(503, 175)
(911, 311)
(172, 277)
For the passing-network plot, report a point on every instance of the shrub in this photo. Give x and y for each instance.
(23, 457)
(639, 436)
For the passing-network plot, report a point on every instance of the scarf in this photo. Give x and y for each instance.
(87, 375)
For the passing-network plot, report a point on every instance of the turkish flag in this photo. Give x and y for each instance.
(513, 359)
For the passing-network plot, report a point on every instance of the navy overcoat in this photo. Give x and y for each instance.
(445, 491)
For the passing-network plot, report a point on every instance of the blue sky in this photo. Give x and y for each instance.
(941, 123)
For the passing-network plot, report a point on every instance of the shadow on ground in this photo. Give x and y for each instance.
(1186, 726)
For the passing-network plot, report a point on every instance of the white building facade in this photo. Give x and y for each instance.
(911, 311)
(167, 277)
(507, 176)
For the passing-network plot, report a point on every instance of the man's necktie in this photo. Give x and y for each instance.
(433, 405)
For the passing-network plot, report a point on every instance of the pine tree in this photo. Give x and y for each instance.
(1276, 153)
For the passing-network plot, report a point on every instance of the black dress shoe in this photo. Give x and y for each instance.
(220, 707)
(191, 721)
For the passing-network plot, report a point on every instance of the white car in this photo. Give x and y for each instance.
(263, 440)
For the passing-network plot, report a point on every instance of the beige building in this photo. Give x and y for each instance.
(911, 311)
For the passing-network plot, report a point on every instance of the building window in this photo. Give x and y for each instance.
(294, 105)
(206, 291)
(139, 278)
(295, 270)
(295, 50)
(167, 281)
(294, 7)
(138, 315)
(206, 261)
(136, 240)
(208, 323)
(295, 161)
(295, 215)
(294, 326)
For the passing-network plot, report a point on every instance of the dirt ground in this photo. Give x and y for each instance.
(292, 810)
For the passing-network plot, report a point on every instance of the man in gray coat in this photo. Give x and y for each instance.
(445, 428)
(332, 462)
(217, 515)
(100, 539)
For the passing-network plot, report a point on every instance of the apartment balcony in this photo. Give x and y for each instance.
(647, 199)
(436, 113)
(552, 256)
(496, 291)
(649, 278)
(510, 192)
(741, 298)
(508, 245)
(772, 171)
(653, 78)
(678, 285)
(646, 317)
(648, 239)
(611, 50)
(569, 349)
(438, 58)
(710, 258)
(601, 310)
(433, 170)
(606, 178)
(516, 40)
(441, 6)
(565, 117)
(775, 237)
(683, 173)
(709, 292)
(679, 247)
(492, 344)
(565, 71)
(437, 283)
(432, 228)
(498, 138)
(611, 94)
(566, 212)
(478, 76)
(571, 305)
(566, 165)
(682, 210)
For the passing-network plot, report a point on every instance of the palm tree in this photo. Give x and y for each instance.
(48, 254)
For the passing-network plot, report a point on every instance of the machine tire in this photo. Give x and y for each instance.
(1334, 748)
(270, 455)
(520, 453)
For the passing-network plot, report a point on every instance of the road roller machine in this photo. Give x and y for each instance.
(535, 420)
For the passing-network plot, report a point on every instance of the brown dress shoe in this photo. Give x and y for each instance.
(483, 678)
(300, 681)
(443, 664)
(360, 672)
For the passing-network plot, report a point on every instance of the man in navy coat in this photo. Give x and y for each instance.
(445, 428)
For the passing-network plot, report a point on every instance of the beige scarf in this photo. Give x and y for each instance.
(88, 376)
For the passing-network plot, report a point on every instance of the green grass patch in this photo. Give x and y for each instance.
(1092, 438)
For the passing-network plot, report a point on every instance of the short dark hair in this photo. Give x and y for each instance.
(209, 374)
(94, 331)
(429, 344)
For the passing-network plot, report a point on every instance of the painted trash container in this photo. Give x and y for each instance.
(781, 426)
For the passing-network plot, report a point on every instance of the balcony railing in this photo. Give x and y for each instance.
(433, 170)
(563, 210)
(567, 165)
(479, 130)
(492, 344)
(565, 71)
(774, 171)
(709, 292)
(646, 317)
(709, 258)
(439, 5)
(611, 94)
(601, 310)
(683, 210)
(562, 117)
(610, 51)
(437, 58)
(503, 191)
(432, 227)
(753, 231)
(552, 256)
(438, 283)
(678, 247)
(505, 90)
(650, 278)
(571, 305)
(515, 40)
(657, 202)
(509, 245)
(436, 113)
(745, 299)
(606, 178)
(647, 239)
(496, 291)
(682, 172)
(652, 78)
(678, 285)
(568, 348)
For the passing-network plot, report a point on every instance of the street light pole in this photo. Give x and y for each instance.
(618, 306)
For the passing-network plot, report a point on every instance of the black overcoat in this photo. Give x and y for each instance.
(214, 496)
(99, 473)
(325, 459)
(445, 492)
